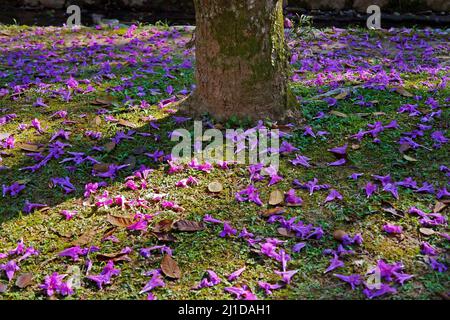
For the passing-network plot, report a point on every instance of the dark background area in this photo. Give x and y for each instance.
(324, 12)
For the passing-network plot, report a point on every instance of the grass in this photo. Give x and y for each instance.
(196, 252)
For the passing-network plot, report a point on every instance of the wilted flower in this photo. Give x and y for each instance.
(353, 280)
(390, 228)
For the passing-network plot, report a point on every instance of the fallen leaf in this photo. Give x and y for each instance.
(85, 238)
(109, 146)
(127, 123)
(97, 121)
(273, 211)
(131, 161)
(392, 210)
(24, 280)
(103, 102)
(439, 206)
(339, 235)
(404, 147)
(338, 114)
(140, 150)
(344, 94)
(101, 167)
(170, 267)
(410, 159)
(120, 221)
(163, 226)
(215, 187)
(116, 257)
(276, 197)
(29, 147)
(188, 226)
(427, 231)
(109, 232)
(164, 237)
(286, 233)
(403, 92)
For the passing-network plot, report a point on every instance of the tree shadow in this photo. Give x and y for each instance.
(24, 60)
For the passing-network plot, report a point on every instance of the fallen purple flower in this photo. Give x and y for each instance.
(236, 274)
(392, 229)
(353, 280)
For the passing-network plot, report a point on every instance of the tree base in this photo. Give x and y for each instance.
(191, 106)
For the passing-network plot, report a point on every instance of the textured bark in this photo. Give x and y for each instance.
(241, 60)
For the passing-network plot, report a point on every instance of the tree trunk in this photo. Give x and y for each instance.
(241, 60)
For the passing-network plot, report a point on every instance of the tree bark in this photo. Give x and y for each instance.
(241, 60)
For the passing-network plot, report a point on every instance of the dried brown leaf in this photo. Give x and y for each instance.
(163, 225)
(273, 211)
(24, 280)
(276, 197)
(170, 267)
(188, 226)
(86, 238)
(120, 221)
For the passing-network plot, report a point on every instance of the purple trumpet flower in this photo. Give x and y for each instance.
(353, 280)
(348, 240)
(286, 147)
(111, 172)
(370, 189)
(156, 281)
(37, 125)
(8, 143)
(436, 265)
(312, 185)
(236, 274)
(64, 183)
(267, 287)
(301, 161)
(60, 134)
(40, 103)
(241, 293)
(442, 193)
(30, 207)
(337, 163)
(425, 188)
(286, 276)
(228, 230)
(210, 280)
(245, 234)
(291, 198)
(384, 289)
(147, 252)
(72, 252)
(30, 251)
(54, 284)
(105, 276)
(298, 247)
(10, 268)
(208, 218)
(333, 196)
(392, 229)
(334, 263)
(427, 249)
(13, 189)
(355, 176)
(341, 151)
(249, 194)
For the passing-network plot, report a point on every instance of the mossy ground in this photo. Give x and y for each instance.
(196, 252)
